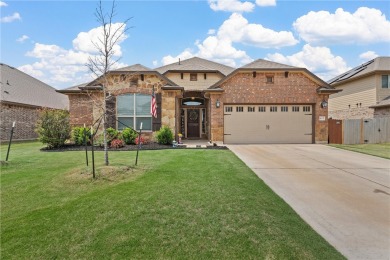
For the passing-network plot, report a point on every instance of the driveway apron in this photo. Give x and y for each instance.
(343, 195)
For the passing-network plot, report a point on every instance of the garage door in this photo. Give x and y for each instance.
(256, 124)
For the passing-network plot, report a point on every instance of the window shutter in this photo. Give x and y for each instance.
(111, 112)
(157, 121)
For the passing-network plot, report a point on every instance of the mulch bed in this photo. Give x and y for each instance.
(149, 146)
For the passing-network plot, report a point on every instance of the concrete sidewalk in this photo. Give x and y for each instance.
(343, 195)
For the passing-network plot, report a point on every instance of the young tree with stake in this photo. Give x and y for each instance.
(111, 35)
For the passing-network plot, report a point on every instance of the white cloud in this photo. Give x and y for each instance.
(85, 40)
(238, 29)
(155, 63)
(318, 60)
(219, 47)
(64, 67)
(22, 38)
(11, 18)
(3, 3)
(211, 32)
(366, 25)
(369, 55)
(266, 2)
(186, 54)
(231, 6)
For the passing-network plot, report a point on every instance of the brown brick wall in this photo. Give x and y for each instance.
(243, 88)
(80, 109)
(25, 118)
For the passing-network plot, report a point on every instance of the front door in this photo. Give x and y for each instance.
(193, 123)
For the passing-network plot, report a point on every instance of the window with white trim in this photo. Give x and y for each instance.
(385, 81)
(132, 109)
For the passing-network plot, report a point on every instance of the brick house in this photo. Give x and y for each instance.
(365, 91)
(21, 98)
(262, 102)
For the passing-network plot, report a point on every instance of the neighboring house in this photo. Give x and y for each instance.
(262, 102)
(21, 98)
(365, 91)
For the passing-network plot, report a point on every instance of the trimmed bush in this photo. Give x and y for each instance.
(111, 134)
(164, 135)
(117, 143)
(53, 127)
(78, 135)
(129, 135)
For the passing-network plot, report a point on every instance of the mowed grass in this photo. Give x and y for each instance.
(176, 204)
(380, 150)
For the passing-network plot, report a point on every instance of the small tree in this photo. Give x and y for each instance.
(102, 63)
(53, 127)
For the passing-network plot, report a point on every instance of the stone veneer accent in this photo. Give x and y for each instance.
(25, 117)
(243, 88)
(353, 113)
(169, 108)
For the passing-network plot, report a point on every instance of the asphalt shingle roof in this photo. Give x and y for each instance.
(196, 64)
(377, 64)
(21, 88)
(266, 64)
(133, 68)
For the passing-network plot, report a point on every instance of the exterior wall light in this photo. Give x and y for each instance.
(217, 104)
(324, 104)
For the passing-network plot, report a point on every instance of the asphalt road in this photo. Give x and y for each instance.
(343, 195)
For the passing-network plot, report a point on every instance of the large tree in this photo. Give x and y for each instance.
(111, 34)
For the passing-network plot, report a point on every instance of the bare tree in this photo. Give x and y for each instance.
(101, 64)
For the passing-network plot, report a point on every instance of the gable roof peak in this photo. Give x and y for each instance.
(266, 64)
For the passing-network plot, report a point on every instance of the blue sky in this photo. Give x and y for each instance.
(51, 40)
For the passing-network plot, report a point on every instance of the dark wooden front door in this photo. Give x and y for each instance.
(193, 123)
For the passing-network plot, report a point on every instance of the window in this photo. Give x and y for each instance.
(239, 109)
(251, 109)
(273, 109)
(193, 77)
(295, 108)
(385, 81)
(228, 109)
(306, 109)
(205, 75)
(132, 109)
(284, 109)
(270, 79)
(261, 109)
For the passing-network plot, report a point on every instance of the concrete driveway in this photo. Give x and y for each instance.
(343, 195)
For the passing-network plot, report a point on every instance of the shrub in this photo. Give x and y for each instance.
(53, 127)
(129, 135)
(111, 134)
(137, 140)
(78, 135)
(164, 135)
(117, 143)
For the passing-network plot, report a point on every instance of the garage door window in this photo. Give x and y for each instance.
(295, 109)
(251, 109)
(228, 109)
(261, 109)
(284, 109)
(273, 109)
(239, 109)
(306, 109)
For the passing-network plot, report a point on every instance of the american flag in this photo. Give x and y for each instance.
(153, 106)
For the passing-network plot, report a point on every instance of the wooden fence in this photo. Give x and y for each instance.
(359, 131)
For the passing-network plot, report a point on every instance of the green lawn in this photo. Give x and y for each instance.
(380, 150)
(187, 204)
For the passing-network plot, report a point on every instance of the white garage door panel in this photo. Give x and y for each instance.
(267, 127)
